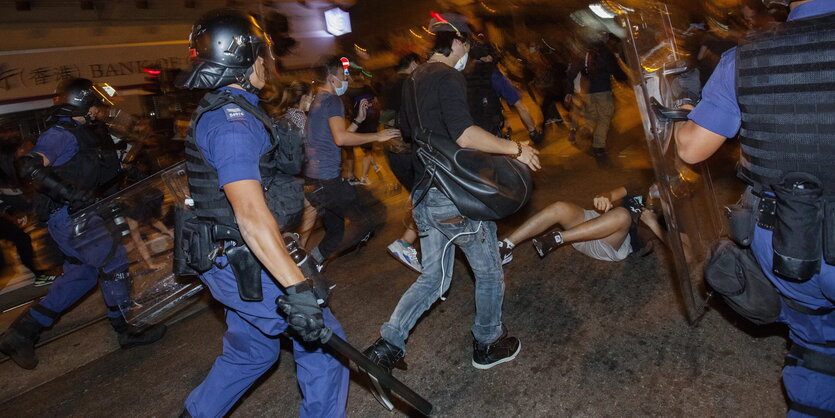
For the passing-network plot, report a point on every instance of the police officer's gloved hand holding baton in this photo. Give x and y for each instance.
(304, 314)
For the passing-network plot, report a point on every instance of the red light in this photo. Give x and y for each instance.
(152, 72)
(438, 17)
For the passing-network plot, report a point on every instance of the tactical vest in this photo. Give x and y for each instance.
(277, 166)
(485, 103)
(785, 85)
(86, 170)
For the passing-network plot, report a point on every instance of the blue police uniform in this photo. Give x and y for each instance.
(88, 255)
(719, 112)
(232, 142)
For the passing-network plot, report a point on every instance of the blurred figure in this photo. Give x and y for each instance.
(486, 87)
(67, 168)
(756, 15)
(295, 103)
(401, 160)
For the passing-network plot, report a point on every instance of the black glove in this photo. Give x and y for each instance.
(536, 136)
(79, 199)
(303, 313)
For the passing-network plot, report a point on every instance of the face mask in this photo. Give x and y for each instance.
(462, 62)
(342, 89)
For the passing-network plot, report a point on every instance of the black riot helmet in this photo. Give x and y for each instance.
(224, 45)
(75, 97)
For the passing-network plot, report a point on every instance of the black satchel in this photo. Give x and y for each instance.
(483, 186)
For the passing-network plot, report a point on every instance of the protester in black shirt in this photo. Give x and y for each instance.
(438, 97)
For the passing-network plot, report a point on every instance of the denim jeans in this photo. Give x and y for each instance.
(438, 222)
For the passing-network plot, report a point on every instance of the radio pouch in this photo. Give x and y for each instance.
(797, 236)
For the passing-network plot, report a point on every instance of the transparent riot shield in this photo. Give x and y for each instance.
(134, 228)
(661, 73)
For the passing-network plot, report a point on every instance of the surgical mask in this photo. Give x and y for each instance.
(462, 62)
(342, 89)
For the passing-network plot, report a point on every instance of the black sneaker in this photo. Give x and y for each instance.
(547, 242)
(387, 356)
(505, 253)
(502, 350)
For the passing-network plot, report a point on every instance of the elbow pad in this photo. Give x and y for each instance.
(30, 168)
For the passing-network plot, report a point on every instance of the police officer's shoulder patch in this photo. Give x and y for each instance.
(234, 113)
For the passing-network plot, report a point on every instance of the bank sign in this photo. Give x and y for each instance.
(33, 74)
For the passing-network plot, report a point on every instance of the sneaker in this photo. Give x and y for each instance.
(364, 181)
(353, 181)
(547, 242)
(502, 350)
(505, 252)
(386, 356)
(406, 254)
(44, 280)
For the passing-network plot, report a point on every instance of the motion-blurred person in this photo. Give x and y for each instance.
(67, 169)
(776, 91)
(364, 96)
(598, 68)
(438, 98)
(295, 103)
(239, 180)
(401, 160)
(329, 192)
(14, 209)
(607, 233)
(486, 87)
(756, 16)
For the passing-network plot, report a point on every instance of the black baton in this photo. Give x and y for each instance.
(343, 347)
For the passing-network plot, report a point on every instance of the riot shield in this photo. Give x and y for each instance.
(661, 74)
(137, 224)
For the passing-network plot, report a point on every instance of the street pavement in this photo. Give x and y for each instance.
(598, 339)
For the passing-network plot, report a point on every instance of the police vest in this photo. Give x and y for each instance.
(785, 85)
(277, 166)
(86, 170)
(485, 103)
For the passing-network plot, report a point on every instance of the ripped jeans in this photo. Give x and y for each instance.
(438, 222)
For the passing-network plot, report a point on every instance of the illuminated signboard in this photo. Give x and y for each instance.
(337, 21)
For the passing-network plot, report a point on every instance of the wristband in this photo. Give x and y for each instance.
(355, 122)
(518, 150)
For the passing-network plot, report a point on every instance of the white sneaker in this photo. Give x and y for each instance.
(405, 254)
(505, 252)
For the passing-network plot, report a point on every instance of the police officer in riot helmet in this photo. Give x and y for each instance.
(776, 90)
(240, 169)
(67, 170)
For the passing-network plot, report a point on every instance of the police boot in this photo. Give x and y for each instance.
(130, 336)
(18, 342)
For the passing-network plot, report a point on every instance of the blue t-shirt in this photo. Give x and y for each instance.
(323, 158)
(505, 90)
(232, 140)
(719, 112)
(57, 144)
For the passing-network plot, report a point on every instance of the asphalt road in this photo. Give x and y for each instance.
(598, 339)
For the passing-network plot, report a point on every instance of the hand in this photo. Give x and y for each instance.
(362, 110)
(386, 134)
(649, 217)
(602, 203)
(303, 313)
(529, 157)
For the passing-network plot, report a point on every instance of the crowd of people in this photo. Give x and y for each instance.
(260, 173)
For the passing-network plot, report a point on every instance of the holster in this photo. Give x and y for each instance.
(247, 272)
(798, 225)
(194, 248)
(734, 273)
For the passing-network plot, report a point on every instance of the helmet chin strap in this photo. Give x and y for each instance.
(243, 80)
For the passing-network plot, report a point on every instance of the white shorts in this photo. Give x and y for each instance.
(598, 248)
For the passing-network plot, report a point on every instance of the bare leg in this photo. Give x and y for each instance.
(567, 215)
(410, 234)
(611, 227)
(309, 216)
